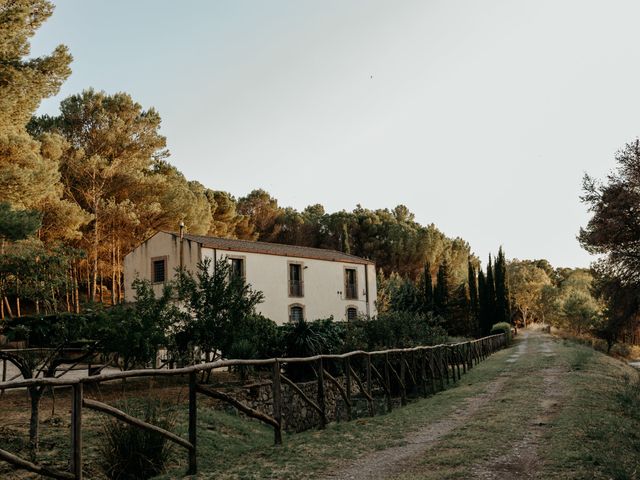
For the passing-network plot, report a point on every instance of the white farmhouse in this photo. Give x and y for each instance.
(296, 281)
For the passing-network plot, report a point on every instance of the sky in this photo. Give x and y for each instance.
(481, 117)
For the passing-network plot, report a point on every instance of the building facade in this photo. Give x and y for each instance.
(297, 282)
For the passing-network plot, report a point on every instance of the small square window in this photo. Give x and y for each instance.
(352, 313)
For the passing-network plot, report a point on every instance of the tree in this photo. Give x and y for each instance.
(502, 310)
(473, 298)
(216, 302)
(441, 292)
(580, 311)
(527, 282)
(111, 146)
(26, 177)
(485, 318)
(17, 224)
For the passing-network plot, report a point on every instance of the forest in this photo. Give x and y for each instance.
(81, 188)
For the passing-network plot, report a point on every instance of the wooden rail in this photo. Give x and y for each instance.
(419, 369)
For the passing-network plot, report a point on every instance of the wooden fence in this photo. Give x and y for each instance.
(389, 372)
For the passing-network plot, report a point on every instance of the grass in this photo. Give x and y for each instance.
(591, 431)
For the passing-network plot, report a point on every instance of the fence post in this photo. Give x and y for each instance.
(462, 351)
(76, 431)
(403, 380)
(387, 381)
(423, 371)
(321, 401)
(347, 384)
(4, 374)
(370, 386)
(193, 423)
(276, 394)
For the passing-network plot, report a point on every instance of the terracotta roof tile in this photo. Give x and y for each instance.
(274, 249)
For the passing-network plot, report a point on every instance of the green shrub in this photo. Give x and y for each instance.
(131, 453)
(502, 327)
(621, 350)
(629, 396)
(599, 345)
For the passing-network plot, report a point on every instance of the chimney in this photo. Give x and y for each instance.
(181, 245)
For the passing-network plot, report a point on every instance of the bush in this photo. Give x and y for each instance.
(129, 452)
(502, 327)
(600, 345)
(621, 350)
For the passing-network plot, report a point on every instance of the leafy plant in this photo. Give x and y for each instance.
(129, 452)
(502, 327)
(216, 302)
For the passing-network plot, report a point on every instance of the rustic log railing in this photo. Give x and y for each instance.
(423, 369)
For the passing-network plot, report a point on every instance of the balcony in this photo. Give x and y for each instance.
(351, 291)
(296, 288)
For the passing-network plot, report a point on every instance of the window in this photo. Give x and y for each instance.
(237, 268)
(296, 285)
(296, 313)
(352, 313)
(350, 283)
(159, 270)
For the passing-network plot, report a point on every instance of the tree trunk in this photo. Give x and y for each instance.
(96, 243)
(113, 271)
(8, 305)
(88, 283)
(119, 273)
(101, 288)
(76, 288)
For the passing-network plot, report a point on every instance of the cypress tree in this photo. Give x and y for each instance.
(346, 247)
(427, 289)
(484, 317)
(441, 292)
(502, 299)
(473, 298)
(491, 293)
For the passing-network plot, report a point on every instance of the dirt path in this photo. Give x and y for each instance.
(521, 461)
(392, 461)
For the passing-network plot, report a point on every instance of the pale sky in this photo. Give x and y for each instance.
(480, 116)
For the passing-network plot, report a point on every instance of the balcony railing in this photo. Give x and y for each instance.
(351, 291)
(296, 288)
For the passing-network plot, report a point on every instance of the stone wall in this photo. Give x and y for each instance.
(297, 415)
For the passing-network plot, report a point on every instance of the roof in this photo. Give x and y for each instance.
(281, 249)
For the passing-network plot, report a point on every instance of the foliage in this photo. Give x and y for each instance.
(394, 330)
(255, 336)
(17, 224)
(527, 281)
(215, 303)
(131, 453)
(135, 333)
(613, 232)
(502, 327)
